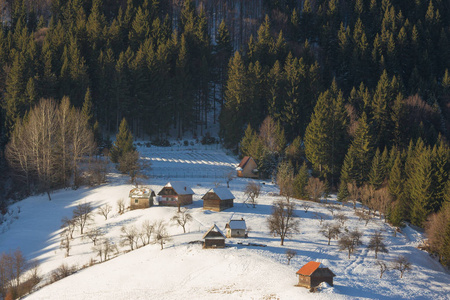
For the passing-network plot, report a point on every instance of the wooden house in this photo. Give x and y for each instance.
(141, 197)
(247, 168)
(236, 228)
(175, 193)
(218, 199)
(214, 238)
(311, 275)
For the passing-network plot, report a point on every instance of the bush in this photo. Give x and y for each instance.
(208, 139)
(62, 272)
(161, 143)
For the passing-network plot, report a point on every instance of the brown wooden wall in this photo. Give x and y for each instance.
(217, 205)
(143, 203)
(214, 243)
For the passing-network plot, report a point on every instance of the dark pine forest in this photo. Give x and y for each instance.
(355, 93)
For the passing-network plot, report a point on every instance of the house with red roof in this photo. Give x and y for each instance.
(247, 168)
(312, 274)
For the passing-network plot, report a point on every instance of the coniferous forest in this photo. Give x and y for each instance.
(355, 93)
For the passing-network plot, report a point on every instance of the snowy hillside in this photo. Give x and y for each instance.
(184, 269)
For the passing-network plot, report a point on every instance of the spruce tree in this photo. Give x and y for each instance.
(300, 182)
(123, 143)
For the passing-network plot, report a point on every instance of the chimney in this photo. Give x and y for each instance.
(242, 219)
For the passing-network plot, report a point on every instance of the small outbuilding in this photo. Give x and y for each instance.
(141, 197)
(175, 193)
(312, 274)
(214, 238)
(218, 199)
(236, 228)
(247, 168)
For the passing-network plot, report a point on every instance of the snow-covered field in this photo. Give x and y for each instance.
(183, 270)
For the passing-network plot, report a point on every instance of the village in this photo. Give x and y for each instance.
(214, 237)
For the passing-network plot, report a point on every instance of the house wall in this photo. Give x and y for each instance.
(172, 200)
(315, 281)
(304, 281)
(142, 203)
(249, 167)
(237, 232)
(216, 204)
(214, 243)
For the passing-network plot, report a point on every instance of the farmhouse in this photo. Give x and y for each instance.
(214, 238)
(236, 228)
(218, 199)
(175, 193)
(311, 275)
(247, 168)
(141, 197)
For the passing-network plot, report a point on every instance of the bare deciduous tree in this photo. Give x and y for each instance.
(94, 234)
(161, 234)
(382, 200)
(354, 192)
(332, 208)
(229, 177)
(285, 179)
(402, 264)
(290, 254)
(330, 231)
(319, 217)
(356, 235)
(306, 206)
(376, 243)
(65, 241)
(367, 193)
(103, 249)
(82, 214)
(182, 218)
(129, 236)
(69, 224)
(315, 188)
(146, 232)
(104, 210)
(252, 191)
(341, 218)
(121, 206)
(282, 221)
(346, 243)
(383, 267)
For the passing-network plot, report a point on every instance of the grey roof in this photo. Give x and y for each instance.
(180, 187)
(237, 224)
(222, 192)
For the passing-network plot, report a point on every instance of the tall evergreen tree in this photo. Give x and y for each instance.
(123, 143)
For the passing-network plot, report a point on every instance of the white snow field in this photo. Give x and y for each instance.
(184, 270)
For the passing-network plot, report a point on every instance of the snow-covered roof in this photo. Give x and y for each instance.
(214, 233)
(141, 192)
(237, 224)
(222, 192)
(180, 187)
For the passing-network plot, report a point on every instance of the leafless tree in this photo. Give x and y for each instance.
(363, 215)
(94, 234)
(252, 191)
(290, 254)
(383, 267)
(65, 241)
(346, 243)
(272, 135)
(229, 177)
(354, 192)
(6, 273)
(306, 206)
(69, 224)
(341, 218)
(402, 264)
(332, 208)
(356, 235)
(97, 171)
(382, 200)
(146, 232)
(376, 243)
(161, 234)
(319, 217)
(285, 179)
(104, 248)
(330, 231)
(129, 236)
(315, 188)
(282, 221)
(104, 210)
(182, 218)
(367, 193)
(82, 214)
(121, 206)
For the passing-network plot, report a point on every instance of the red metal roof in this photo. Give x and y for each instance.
(244, 161)
(309, 268)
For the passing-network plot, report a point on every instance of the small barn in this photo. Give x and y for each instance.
(247, 168)
(218, 199)
(214, 238)
(175, 193)
(141, 197)
(312, 274)
(236, 228)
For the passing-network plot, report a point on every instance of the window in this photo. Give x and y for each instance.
(136, 201)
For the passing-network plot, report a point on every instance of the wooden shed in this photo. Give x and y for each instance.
(214, 238)
(312, 274)
(236, 228)
(175, 193)
(218, 199)
(247, 168)
(141, 197)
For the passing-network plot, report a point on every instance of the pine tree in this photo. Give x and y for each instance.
(300, 182)
(377, 171)
(123, 143)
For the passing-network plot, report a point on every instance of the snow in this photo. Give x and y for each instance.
(243, 270)
(180, 187)
(222, 192)
(237, 224)
(214, 228)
